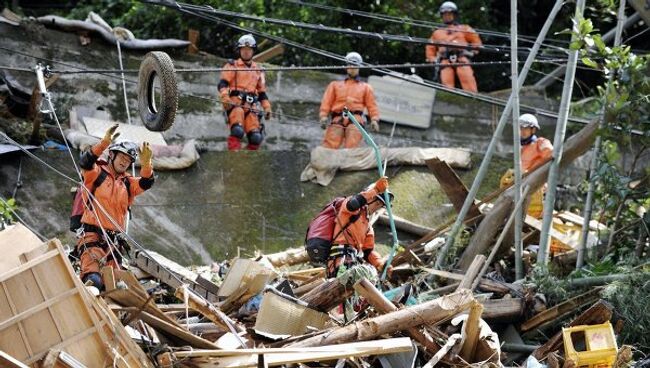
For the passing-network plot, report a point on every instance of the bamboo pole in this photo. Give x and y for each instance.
(586, 214)
(516, 143)
(497, 133)
(558, 146)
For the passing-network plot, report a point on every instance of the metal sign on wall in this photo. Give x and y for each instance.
(403, 102)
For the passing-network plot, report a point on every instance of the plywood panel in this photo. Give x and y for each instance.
(15, 240)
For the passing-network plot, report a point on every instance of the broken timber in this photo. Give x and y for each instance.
(560, 310)
(421, 314)
(451, 185)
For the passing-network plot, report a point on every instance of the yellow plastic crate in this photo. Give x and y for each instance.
(596, 345)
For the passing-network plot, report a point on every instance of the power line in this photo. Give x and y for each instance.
(476, 96)
(413, 22)
(322, 28)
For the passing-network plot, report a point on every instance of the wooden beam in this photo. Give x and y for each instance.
(426, 313)
(193, 340)
(269, 54)
(472, 272)
(451, 185)
(383, 306)
(405, 225)
(210, 311)
(560, 310)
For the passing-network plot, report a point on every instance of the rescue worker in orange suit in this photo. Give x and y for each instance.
(454, 44)
(242, 93)
(355, 242)
(100, 243)
(535, 151)
(354, 94)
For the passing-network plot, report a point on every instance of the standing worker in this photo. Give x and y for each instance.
(113, 188)
(535, 151)
(356, 96)
(454, 44)
(242, 92)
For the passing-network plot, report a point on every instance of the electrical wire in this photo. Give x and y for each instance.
(413, 22)
(476, 96)
(322, 28)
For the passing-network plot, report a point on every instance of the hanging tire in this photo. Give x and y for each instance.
(157, 115)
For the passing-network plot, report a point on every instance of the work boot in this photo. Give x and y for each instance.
(234, 144)
(252, 147)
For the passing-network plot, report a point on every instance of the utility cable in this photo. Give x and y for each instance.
(411, 21)
(293, 68)
(322, 28)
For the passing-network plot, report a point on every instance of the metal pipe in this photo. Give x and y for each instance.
(380, 168)
(516, 144)
(558, 146)
(586, 214)
(497, 133)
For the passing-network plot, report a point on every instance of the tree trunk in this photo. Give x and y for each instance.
(289, 257)
(328, 295)
(426, 313)
(575, 147)
(383, 306)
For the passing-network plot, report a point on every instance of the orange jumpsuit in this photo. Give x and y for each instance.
(234, 87)
(357, 96)
(532, 155)
(466, 38)
(358, 236)
(113, 197)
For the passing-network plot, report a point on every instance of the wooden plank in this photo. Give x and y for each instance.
(15, 240)
(558, 235)
(194, 341)
(128, 298)
(26, 266)
(7, 361)
(11, 338)
(472, 330)
(247, 358)
(209, 311)
(503, 310)
(268, 54)
(561, 309)
(37, 308)
(472, 272)
(451, 185)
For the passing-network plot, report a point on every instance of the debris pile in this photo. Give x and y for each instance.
(277, 310)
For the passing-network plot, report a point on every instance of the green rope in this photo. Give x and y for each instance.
(380, 168)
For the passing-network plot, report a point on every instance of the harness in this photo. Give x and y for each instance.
(247, 97)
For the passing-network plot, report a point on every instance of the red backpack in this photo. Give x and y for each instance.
(320, 232)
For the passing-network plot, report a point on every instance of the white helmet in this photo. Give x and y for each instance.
(353, 58)
(247, 40)
(127, 147)
(448, 6)
(528, 121)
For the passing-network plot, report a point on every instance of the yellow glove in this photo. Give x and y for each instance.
(110, 134)
(145, 154)
(382, 184)
(374, 125)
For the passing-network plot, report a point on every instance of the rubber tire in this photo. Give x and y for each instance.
(157, 118)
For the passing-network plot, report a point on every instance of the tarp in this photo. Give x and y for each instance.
(325, 162)
(6, 148)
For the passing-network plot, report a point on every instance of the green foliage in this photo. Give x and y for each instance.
(7, 209)
(630, 300)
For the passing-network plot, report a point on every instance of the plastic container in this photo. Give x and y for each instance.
(592, 346)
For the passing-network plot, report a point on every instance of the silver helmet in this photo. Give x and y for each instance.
(528, 121)
(247, 40)
(127, 147)
(353, 58)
